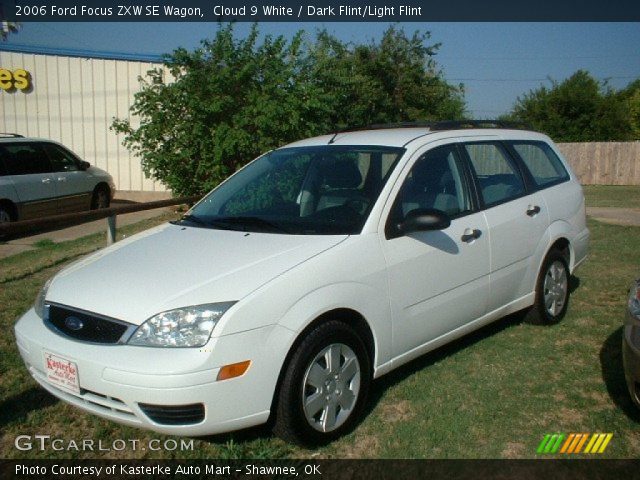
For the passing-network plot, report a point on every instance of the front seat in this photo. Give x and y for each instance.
(340, 181)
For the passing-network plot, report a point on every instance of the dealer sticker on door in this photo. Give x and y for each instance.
(61, 372)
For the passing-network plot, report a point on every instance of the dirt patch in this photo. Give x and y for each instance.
(570, 416)
(397, 411)
(365, 446)
(559, 397)
(513, 450)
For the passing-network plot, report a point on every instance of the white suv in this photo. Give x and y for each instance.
(315, 269)
(39, 178)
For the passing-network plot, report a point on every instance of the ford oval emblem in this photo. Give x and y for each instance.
(73, 323)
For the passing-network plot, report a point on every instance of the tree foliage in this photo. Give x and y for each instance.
(7, 27)
(581, 109)
(232, 99)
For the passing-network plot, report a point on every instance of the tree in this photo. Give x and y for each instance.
(576, 110)
(232, 99)
(631, 97)
(393, 81)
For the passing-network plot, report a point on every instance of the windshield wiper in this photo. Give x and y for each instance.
(203, 223)
(250, 221)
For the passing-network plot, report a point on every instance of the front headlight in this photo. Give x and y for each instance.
(38, 305)
(183, 327)
(634, 300)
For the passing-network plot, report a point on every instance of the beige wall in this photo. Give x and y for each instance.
(73, 101)
(604, 163)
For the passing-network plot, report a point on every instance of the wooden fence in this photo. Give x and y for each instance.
(604, 163)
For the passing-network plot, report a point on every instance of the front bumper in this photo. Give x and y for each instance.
(115, 380)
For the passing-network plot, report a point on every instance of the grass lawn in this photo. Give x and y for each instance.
(493, 394)
(612, 196)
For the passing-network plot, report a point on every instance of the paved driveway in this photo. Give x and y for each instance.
(617, 216)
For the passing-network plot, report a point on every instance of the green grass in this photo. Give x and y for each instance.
(612, 196)
(44, 243)
(493, 394)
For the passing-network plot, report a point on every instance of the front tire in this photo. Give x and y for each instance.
(101, 197)
(552, 291)
(325, 386)
(5, 215)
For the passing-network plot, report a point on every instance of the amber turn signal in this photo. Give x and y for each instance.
(233, 370)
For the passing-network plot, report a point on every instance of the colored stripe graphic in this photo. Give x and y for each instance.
(550, 443)
(556, 443)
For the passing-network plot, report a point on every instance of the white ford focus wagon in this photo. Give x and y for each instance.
(315, 269)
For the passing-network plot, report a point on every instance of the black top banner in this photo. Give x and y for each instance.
(319, 10)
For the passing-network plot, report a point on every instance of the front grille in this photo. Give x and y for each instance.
(174, 414)
(85, 326)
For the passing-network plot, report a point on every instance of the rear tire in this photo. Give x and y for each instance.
(101, 197)
(325, 386)
(552, 291)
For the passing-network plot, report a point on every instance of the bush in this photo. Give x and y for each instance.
(232, 99)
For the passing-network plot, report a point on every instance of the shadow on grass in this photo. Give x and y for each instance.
(613, 375)
(574, 283)
(16, 409)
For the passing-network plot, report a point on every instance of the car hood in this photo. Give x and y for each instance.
(173, 266)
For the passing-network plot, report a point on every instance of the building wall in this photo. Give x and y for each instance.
(73, 101)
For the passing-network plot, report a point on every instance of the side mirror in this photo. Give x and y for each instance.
(84, 165)
(423, 219)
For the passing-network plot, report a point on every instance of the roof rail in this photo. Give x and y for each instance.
(442, 125)
(14, 135)
(460, 124)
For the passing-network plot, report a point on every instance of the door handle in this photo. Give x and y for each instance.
(471, 234)
(62, 179)
(46, 180)
(533, 210)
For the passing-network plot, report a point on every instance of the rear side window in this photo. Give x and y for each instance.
(26, 159)
(542, 162)
(497, 176)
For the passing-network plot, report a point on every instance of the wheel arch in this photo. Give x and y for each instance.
(346, 315)
(560, 234)
(102, 184)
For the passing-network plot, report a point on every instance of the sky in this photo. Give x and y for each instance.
(496, 62)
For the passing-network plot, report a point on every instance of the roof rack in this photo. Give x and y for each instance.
(14, 135)
(442, 125)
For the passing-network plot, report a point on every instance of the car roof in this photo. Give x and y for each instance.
(11, 138)
(401, 137)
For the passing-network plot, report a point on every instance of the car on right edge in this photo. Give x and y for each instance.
(631, 343)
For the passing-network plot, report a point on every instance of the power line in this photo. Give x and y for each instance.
(531, 57)
(629, 77)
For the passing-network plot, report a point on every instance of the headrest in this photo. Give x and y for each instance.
(341, 174)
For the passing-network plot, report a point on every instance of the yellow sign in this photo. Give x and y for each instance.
(19, 79)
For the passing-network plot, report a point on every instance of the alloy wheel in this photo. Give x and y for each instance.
(556, 286)
(331, 386)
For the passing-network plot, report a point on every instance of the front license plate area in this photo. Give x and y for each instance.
(61, 372)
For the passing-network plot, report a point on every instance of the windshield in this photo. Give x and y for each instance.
(302, 191)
